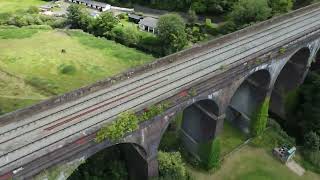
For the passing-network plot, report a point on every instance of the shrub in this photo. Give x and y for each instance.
(17, 21)
(67, 69)
(4, 17)
(153, 111)
(171, 166)
(58, 23)
(33, 10)
(195, 34)
(227, 27)
(280, 6)
(211, 28)
(126, 122)
(128, 35)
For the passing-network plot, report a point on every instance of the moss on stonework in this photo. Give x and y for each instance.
(260, 118)
(178, 120)
(209, 154)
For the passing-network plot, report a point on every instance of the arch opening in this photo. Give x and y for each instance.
(192, 131)
(247, 99)
(121, 161)
(199, 120)
(315, 66)
(289, 79)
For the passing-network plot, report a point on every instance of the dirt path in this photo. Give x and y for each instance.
(295, 167)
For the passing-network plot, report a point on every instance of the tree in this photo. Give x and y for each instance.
(280, 6)
(250, 11)
(104, 24)
(78, 17)
(312, 141)
(171, 32)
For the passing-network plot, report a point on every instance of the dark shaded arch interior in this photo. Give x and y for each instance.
(247, 98)
(290, 77)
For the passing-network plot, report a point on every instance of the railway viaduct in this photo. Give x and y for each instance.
(224, 79)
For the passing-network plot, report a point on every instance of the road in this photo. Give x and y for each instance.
(21, 141)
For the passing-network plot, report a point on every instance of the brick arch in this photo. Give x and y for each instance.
(247, 95)
(198, 126)
(134, 156)
(290, 76)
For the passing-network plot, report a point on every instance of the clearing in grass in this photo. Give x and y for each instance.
(51, 62)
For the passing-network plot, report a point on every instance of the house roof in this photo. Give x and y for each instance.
(134, 16)
(149, 21)
(95, 3)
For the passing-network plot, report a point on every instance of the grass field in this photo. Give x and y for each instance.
(252, 164)
(230, 138)
(33, 61)
(253, 161)
(14, 5)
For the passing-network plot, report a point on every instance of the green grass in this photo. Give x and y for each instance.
(17, 33)
(35, 62)
(14, 5)
(252, 163)
(230, 138)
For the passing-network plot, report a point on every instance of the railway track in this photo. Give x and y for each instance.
(98, 108)
(108, 93)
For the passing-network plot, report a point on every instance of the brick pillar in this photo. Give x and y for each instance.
(219, 125)
(152, 164)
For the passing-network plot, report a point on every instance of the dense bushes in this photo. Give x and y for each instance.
(31, 17)
(280, 6)
(128, 122)
(250, 11)
(171, 166)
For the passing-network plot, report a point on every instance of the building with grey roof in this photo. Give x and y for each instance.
(148, 24)
(93, 4)
(134, 18)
